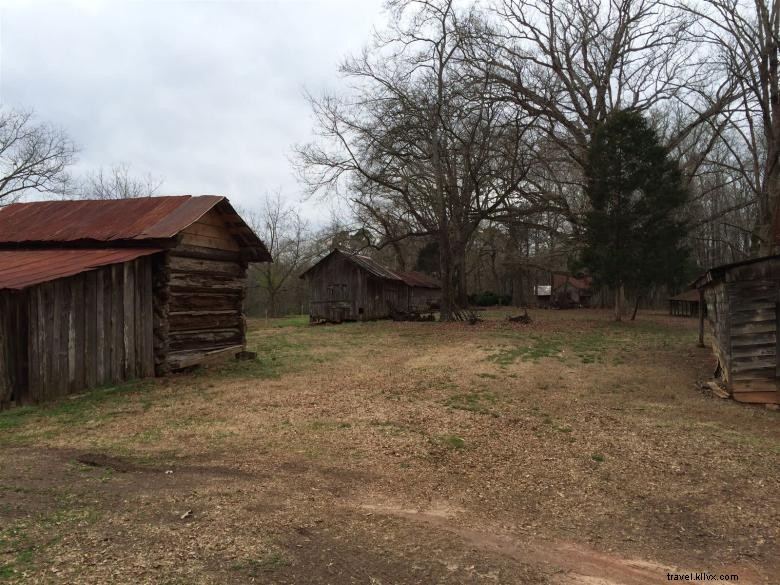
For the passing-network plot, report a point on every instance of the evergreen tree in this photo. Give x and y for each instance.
(633, 232)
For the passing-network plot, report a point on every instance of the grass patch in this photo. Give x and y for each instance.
(272, 561)
(453, 442)
(478, 402)
(71, 411)
(323, 425)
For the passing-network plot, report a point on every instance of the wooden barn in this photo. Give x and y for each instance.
(686, 304)
(743, 309)
(97, 292)
(352, 287)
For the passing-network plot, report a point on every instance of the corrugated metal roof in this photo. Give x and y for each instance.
(366, 263)
(143, 218)
(373, 267)
(419, 279)
(690, 295)
(20, 269)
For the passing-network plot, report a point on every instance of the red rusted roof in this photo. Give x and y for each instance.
(559, 279)
(419, 279)
(22, 268)
(144, 218)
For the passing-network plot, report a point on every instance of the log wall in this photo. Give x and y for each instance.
(204, 291)
(743, 311)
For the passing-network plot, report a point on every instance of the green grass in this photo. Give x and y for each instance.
(453, 442)
(71, 411)
(278, 353)
(478, 402)
(270, 562)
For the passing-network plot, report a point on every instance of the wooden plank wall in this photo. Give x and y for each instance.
(206, 288)
(339, 290)
(13, 345)
(753, 322)
(89, 330)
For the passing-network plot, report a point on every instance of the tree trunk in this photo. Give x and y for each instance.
(619, 303)
(447, 277)
(636, 306)
(461, 291)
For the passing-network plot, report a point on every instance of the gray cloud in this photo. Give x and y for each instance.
(206, 95)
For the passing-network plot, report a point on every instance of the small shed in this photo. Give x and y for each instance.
(743, 310)
(686, 304)
(97, 292)
(353, 287)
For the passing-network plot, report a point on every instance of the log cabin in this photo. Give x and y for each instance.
(352, 287)
(99, 292)
(741, 302)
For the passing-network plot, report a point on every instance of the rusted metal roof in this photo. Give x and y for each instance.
(419, 279)
(20, 269)
(411, 278)
(560, 279)
(364, 262)
(144, 218)
(690, 295)
(373, 267)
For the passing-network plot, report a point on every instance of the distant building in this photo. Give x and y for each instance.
(570, 291)
(353, 287)
(564, 292)
(97, 292)
(685, 304)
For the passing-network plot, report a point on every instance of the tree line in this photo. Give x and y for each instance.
(461, 119)
(492, 142)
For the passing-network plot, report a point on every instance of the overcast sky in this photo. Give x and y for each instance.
(207, 95)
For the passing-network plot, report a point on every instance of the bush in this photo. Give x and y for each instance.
(489, 299)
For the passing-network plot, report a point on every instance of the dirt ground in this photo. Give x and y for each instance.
(570, 451)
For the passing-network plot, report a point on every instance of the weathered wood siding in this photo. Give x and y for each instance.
(423, 299)
(13, 344)
(340, 290)
(743, 311)
(87, 330)
(204, 294)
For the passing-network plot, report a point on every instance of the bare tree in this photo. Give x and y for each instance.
(117, 183)
(571, 62)
(744, 40)
(286, 235)
(419, 146)
(34, 156)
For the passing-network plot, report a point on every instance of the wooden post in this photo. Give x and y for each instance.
(701, 317)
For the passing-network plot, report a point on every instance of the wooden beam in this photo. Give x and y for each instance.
(701, 317)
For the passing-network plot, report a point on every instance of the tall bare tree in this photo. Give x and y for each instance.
(286, 235)
(744, 38)
(572, 62)
(418, 143)
(34, 156)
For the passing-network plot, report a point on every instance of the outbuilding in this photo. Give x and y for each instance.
(686, 304)
(743, 310)
(353, 287)
(98, 292)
